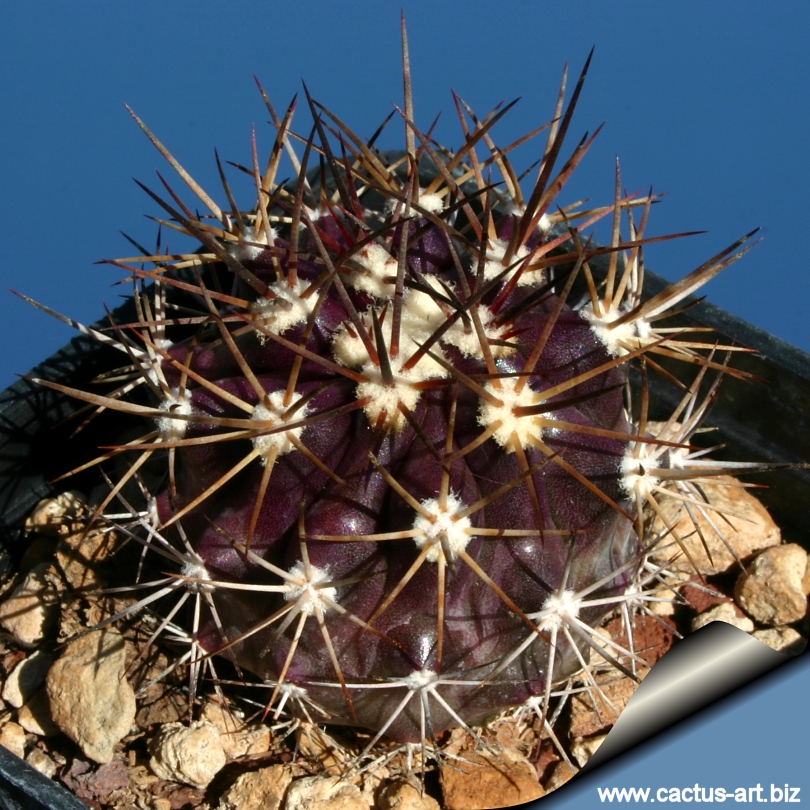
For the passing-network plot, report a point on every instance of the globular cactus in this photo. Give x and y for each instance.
(403, 482)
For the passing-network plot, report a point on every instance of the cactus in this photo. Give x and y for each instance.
(393, 470)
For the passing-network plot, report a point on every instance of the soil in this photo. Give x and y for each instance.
(263, 756)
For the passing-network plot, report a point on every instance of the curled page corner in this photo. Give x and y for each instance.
(702, 668)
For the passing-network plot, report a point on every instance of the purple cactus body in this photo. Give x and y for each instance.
(479, 626)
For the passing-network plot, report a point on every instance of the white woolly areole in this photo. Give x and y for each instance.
(523, 426)
(432, 203)
(306, 590)
(374, 264)
(678, 457)
(279, 441)
(639, 471)
(422, 312)
(633, 333)
(195, 569)
(465, 339)
(347, 347)
(287, 309)
(315, 213)
(258, 242)
(349, 350)
(560, 609)
(442, 522)
(544, 224)
(173, 429)
(634, 595)
(419, 679)
(494, 264)
(386, 398)
(291, 690)
(421, 316)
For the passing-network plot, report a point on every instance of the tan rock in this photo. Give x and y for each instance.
(257, 790)
(313, 742)
(39, 549)
(26, 678)
(806, 578)
(324, 793)
(31, 612)
(771, 591)
(561, 774)
(752, 529)
(402, 795)
(192, 754)
(781, 639)
(91, 700)
(237, 741)
(668, 603)
(53, 516)
(42, 762)
(482, 781)
(142, 779)
(79, 554)
(35, 716)
(598, 661)
(12, 737)
(583, 750)
(722, 613)
(596, 710)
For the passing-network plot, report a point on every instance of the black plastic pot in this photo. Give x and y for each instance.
(765, 421)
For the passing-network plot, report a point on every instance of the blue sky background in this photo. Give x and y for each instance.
(705, 101)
